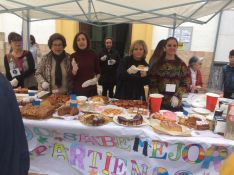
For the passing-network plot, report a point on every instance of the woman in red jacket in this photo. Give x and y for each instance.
(195, 74)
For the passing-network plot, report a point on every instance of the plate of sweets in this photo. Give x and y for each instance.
(98, 99)
(67, 113)
(131, 120)
(142, 68)
(164, 115)
(130, 103)
(111, 111)
(142, 111)
(94, 119)
(194, 121)
(21, 90)
(170, 128)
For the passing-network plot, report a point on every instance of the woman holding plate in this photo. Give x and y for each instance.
(132, 73)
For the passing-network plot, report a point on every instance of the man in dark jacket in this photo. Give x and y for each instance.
(109, 60)
(14, 159)
(228, 77)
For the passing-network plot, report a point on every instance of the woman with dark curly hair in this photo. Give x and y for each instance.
(85, 66)
(53, 71)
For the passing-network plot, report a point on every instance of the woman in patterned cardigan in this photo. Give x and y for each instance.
(169, 76)
(54, 69)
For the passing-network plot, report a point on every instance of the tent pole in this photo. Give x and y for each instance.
(210, 83)
(174, 26)
(26, 30)
(89, 10)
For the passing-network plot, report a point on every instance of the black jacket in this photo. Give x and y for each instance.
(108, 72)
(130, 87)
(14, 159)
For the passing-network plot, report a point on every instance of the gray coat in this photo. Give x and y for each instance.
(43, 73)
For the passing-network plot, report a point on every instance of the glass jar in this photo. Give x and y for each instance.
(229, 134)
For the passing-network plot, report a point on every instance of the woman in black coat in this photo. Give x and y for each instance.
(132, 74)
(14, 159)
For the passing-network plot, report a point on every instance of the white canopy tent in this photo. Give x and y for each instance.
(166, 13)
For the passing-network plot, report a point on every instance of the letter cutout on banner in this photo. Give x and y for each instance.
(136, 169)
(143, 144)
(215, 154)
(158, 147)
(28, 133)
(39, 150)
(107, 164)
(88, 139)
(94, 157)
(160, 171)
(178, 153)
(70, 137)
(200, 157)
(122, 144)
(119, 166)
(42, 132)
(77, 155)
(59, 151)
(107, 141)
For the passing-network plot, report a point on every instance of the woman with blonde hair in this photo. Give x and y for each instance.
(131, 73)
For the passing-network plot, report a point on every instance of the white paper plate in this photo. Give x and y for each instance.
(202, 111)
(113, 107)
(145, 122)
(68, 117)
(145, 69)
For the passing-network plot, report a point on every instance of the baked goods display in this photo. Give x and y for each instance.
(171, 126)
(130, 104)
(94, 119)
(194, 122)
(141, 111)
(55, 100)
(67, 110)
(99, 99)
(112, 111)
(37, 112)
(202, 125)
(20, 90)
(136, 120)
(164, 116)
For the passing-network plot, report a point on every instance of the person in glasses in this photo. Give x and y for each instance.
(170, 76)
(19, 64)
(53, 72)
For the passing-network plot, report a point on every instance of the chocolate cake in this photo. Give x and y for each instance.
(136, 120)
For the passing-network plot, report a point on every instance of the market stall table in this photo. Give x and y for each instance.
(69, 147)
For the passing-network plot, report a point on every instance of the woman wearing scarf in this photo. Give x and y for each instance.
(14, 159)
(53, 71)
(19, 64)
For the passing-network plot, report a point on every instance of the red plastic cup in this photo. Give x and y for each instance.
(155, 101)
(211, 101)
